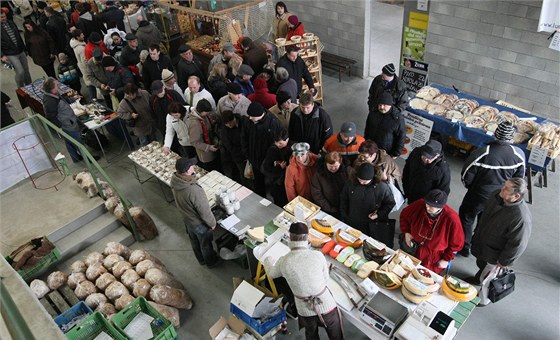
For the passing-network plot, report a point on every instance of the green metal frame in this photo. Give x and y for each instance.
(91, 164)
(13, 319)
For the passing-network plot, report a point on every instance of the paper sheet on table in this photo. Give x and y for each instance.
(242, 193)
(339, 295)
(276, 251)
(266, 307)
(265, 202)
(103, 336)
(139, 328)
(229, 222)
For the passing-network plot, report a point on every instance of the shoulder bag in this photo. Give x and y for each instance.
(132, 121)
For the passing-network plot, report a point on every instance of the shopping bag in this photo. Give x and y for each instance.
(248, 173)
(397, 195)
(488, 274)
(502, 285)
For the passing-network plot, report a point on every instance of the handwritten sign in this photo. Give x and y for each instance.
(538, 156)
(418, 130)
(413, 78)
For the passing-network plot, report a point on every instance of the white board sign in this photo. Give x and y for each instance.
(538, 156)
(418, 130)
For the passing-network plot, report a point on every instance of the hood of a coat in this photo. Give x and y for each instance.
(86, 16)
(147, 28)
(179, 182)
(75, 43)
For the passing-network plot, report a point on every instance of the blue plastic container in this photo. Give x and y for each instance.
(256, 324)
(78, 309)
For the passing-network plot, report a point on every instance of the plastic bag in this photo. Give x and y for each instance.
(56, 280)
(488, 274)
(95, 270)
(39, 288)
(117, 248)
(397, 195)
(248, 172)
(170, 296)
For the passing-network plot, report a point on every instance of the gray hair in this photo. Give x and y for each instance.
(519, 186)
(49, 84)
(298, 237)
(282, 74)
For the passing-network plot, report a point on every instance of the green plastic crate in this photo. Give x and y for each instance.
(46, 261)
(91, 327)
(164, 330)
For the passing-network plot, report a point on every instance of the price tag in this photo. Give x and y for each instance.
(454, 120)
(538, 156)
(490, 133)
(430, 112)
(469, 125)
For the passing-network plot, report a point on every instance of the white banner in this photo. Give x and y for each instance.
(418, 130)
(550, 16)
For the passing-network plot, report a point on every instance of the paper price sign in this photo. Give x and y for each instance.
(538, 156)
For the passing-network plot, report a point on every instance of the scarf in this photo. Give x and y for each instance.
(205, 135)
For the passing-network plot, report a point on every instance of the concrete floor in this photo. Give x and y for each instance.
(531, 312)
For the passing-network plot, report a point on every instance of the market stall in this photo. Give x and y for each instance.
(31, 95)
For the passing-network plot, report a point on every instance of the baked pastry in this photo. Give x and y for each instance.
(509, 116)
(446, 99)
(488, 113)
(475, 122)
(436, 109)
(427, 93)
(527, 126)
(520, 138)
(454, 114)
(418, 104)
(466, 106)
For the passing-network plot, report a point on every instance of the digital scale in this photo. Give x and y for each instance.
(427, 323)
(384, 314)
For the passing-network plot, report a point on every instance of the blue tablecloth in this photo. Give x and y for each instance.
(476, 137)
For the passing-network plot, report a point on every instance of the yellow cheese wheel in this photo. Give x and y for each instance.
(343, 237)
(322, 226)
(387, 280)
(467, 295)
(423, 275)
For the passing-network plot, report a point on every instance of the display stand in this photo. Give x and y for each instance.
(311, 54)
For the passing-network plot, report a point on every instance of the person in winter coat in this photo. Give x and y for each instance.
(95, 40)
(274, 166)
(195, 92)
(154, 65)
(88, 23)
(25, 8)
(256, 138)
(503, 232)
(13, 50)
(218, 81)
(286, 84)
(58, 111)
(484, 172)
(188, 65)
(424, 170)
(177, 125)
(136, 107)
(295, 27)
(261, 94)
(117, 45)
(68, 74)
(117, 77)
(235, 101)
(362, 201)
(228, 57)
(296, 68)
(130, 55)
(243, 78)
(78, 45)
(147, 33)
(170, 82)
(96, 77)
(6, 118)
(195, 210)
(254, 55)
(435, 227)
(283, 110)
(310, 124)
(386, 169)
(112, 14)
(40, 46)
(41, 18)
(300, 172)
(388, 82)
(385, 126)
(162, 97)
(328, 182)
(202, 137)
(346, 143)
(231, 154)
(280, 22)
(56, 28)
(108, 37)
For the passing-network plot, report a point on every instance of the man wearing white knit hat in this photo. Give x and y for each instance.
(484, 172)
(307, 274)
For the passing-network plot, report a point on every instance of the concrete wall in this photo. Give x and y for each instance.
(338, 23)
(492, 49)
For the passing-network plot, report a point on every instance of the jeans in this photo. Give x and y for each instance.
(72, 149)
(21, 67)
(201, 237)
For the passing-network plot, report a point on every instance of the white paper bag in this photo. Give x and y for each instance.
(488, 274)
(397, 195)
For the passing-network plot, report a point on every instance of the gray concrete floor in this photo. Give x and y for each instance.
(531, 312)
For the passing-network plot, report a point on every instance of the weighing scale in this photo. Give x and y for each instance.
(427, 323)
(384, 314)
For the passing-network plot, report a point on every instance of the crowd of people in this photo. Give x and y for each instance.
(251, 119)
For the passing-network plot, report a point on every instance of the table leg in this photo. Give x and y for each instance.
(529, 185)
(137, 176)
(340, 74)
(163, 192)
(125, 134)
(100, 145)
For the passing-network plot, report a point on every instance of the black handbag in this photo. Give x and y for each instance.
(383, 231)
(406, 248)
(502, 285)
(132, 121)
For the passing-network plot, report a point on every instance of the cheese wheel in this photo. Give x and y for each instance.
(322, 226)
(387, 280)
(423, 275)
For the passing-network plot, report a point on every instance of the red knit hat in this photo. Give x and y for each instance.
(260, 83)
(293, 19)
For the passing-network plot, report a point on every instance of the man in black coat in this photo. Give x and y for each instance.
(161, 98)
(188, 66)
(254, 55)
(13, 50)
(388, 82)
(231, 153)
(88, 23)
(130, 55)
(296, 67)
(256, 137)
(56, 27)
(117, 76)
(385, 126)
(310, 123)
(425, 170)
(112, 14)
(153, 66)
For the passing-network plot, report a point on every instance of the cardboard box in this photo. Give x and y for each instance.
(256, 307)
(232, 323)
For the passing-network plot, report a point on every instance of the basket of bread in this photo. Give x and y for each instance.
(547, 137)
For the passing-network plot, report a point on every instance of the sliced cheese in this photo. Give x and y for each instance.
(256, 234)
(397, 269)
(367, 268)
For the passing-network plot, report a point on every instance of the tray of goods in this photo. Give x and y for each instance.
(284, 220)
(307, 208)
(454, 115)
(418, 104)
(509, 116)
(547, 137)
(446, 100)
(475, 122)
(488, 113)
(436, 109)
(390, 274)
(466, 106)
(427, 93)
(527, 126)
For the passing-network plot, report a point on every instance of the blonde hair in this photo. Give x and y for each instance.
(333, 157)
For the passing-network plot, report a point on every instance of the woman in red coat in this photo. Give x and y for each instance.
(294, 27)
(435, 227)
(261, 94)
(300, 172)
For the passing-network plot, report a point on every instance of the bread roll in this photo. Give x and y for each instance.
(78, 267)
(95, 300)
(118, 249)
(139, 255)
(85, 289)
(111, 260)
(75, 278)
(115, 290)
(39, 288)
(107, 309)
(93, 258)
(104, 281)
(56, 280)
(95, 270)
(141, 288)
(170, 296)
(170, 313)
(157, 276)
(129, 277)
(120, 267)
(143, 266)
(124, 301)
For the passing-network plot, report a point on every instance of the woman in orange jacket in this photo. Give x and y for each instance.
(300, 172)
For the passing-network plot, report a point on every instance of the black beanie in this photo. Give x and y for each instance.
(108, 61)
(388, 70)
(282, 97)
(203, 105)
(366, 172)
(255, 110)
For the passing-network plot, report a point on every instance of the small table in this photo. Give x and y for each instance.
(93, 126)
